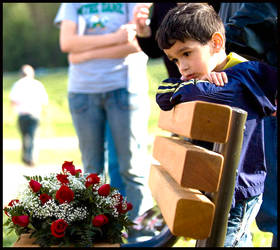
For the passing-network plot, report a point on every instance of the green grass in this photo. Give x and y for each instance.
(56, 119)
(156, 73)
(46, 156)
(56, 122)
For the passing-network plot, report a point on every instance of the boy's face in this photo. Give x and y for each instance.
(193, 59)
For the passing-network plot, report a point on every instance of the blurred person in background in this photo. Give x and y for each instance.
(108, 86)
(28, 96)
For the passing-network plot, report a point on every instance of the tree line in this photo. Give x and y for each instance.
(30, 36)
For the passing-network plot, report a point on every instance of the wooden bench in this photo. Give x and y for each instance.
(193, 186)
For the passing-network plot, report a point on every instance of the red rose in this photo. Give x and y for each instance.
(78, 171)
(58, 228)
(129, 206)
(35, 186)
(104, 190)
(120, 208)
(119, 197)
(44, 198)
(62, 178)
(64, 194)
(12, 202)
(100, 220)
(22, 220)
(68, 166)
(92, 179)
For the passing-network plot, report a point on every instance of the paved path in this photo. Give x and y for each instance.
(13, 175)
(50, 143)
(14, 181)
(44, 143)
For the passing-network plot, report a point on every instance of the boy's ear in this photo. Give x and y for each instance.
(217, 41)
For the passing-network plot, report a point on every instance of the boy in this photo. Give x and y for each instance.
(193, 37)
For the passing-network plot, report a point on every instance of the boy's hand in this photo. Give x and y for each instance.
(218, 78)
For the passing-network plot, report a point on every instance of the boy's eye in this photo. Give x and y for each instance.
(186, 53)
(174, 60)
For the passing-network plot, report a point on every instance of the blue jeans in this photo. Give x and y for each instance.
(113, 165)
(267, 217)
(127, 117)
(240, 218)
(27, 126)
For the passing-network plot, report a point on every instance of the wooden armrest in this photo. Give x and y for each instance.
(198, 120)
(191, 166)
(186, 211)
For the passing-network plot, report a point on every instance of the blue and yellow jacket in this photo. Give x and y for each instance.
(251, 86)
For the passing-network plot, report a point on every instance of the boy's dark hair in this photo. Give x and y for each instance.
(196, 21)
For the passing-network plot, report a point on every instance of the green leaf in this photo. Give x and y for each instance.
(27, 177)
(10, 230)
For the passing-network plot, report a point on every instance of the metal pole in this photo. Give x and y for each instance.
(223, 198)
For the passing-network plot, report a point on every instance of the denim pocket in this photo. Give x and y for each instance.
(78, 103)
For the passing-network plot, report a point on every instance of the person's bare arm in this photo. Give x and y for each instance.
(116, 51)
(70, 41)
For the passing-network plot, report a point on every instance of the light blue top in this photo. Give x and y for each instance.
(98, 75)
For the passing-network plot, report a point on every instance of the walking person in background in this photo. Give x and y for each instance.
(108, 84)
(28, 96)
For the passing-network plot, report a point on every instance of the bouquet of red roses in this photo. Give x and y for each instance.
(69, 209)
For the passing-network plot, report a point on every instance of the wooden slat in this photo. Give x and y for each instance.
(191, 166)
(186, 211)
(198, 120)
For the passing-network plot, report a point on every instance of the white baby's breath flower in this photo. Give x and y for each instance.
(85, 205)
(63, 211)
(76, 184)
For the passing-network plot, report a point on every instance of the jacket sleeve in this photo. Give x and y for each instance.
(252, 86)
(194, 90)
(165, 91)
(174, 91)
